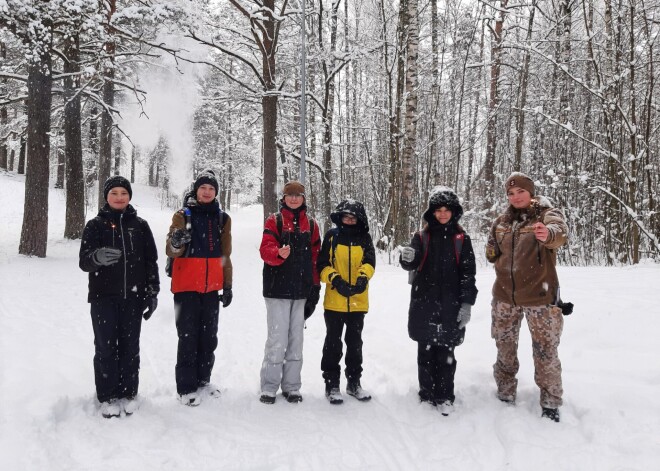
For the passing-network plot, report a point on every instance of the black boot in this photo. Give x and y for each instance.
(355, 389)
(550, 413)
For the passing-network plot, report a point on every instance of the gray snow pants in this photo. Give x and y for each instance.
(283, 353)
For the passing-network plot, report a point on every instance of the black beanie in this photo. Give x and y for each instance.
(115, 181)
(204, 178)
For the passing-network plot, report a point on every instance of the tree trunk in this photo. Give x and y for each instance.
(493, 104)
(75, 184)
(34, 233)
(61, 165)
(405, 221)
(105, 140)
(328, 111)
(269, 111)
(21, 157)
(522, 94)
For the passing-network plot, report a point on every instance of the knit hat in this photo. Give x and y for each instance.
(440, 197)
(207, 177)
(519, 180)
(115, 181)
(293, 188)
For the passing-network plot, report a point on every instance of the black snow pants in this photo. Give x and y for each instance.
(332, 348)
(117, 323)
(197, 327)
(436, 367)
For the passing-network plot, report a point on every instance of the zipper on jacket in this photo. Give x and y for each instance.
(513, 245)
(123, 244)
(348, 299)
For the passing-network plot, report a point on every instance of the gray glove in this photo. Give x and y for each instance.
(106, 256)
(179, 238)
(407, 254)
(464, 315)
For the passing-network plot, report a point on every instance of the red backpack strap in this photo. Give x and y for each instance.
(458, 246)
(425, 236)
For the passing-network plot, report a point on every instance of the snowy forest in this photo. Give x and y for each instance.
(400, 96)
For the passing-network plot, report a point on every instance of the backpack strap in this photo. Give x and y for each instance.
(425, 236)
(333, 246)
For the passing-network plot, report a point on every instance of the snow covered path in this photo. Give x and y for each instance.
(49, 418)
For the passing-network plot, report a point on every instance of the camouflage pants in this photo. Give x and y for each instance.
(545, 325)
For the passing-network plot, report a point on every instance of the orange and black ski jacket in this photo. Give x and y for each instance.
(204, 264)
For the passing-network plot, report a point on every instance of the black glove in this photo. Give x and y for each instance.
(226, 297)
(360, 285)
(150, 305)
(312, 301)
(179, 238)
(341, 286)
(106, 256)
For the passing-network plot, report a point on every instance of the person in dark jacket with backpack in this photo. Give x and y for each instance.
(346, 264)
(289, 248)
(199, 241)
(443, 268)
(119, 252)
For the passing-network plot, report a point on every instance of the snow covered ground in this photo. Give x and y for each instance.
(49, 417)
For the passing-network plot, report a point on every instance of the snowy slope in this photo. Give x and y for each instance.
(49, 418)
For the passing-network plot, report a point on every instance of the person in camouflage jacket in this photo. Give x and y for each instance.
(523, 243)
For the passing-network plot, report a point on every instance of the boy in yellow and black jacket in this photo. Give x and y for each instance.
(346, 264)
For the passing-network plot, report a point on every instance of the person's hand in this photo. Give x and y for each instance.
(541, 232)
(106, 256)
(341, 286)
(226, 297)
(150, 305)
(284, 251)
(360, 285)
(464, 315)
(407, 254)
(312, 300)
(180, 237)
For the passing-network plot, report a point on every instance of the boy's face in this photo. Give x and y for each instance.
(118, 198)
(442, 214)
(205, 193)
(348, 219)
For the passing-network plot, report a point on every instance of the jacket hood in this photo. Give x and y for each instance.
(350, 206)
(443, 196)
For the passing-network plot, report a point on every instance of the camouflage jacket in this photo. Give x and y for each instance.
(524, 267)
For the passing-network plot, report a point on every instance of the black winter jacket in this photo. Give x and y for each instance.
(137, 268)
(442, 285)
(294, 277)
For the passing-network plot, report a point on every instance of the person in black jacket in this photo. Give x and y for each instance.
(119, 252)
(442, 263)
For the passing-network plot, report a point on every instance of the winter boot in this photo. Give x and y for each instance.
(550, 413)
(210, 390)
(354, 389)
(110, 409)
(267, 397)
(334, 396)
(508, 400)
(191, 399)
(426, 396)
(130, 405)
(292, 396)
(446, 407)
